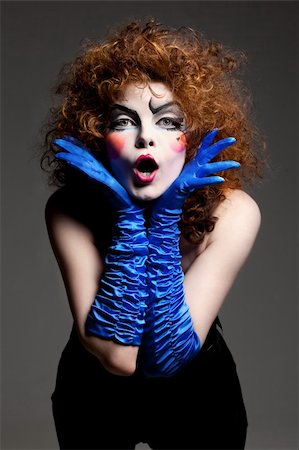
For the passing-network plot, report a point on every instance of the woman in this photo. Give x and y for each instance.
(151, 146)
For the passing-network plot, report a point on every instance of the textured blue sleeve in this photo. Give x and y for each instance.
(169, 340)
(118, 310)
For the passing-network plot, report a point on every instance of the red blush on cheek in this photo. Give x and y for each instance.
(180, 144)
(115, 145)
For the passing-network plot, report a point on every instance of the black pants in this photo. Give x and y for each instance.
(201, 407)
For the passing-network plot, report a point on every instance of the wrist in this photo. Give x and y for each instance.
(116, 358)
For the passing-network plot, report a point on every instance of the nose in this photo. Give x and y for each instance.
(144, 139)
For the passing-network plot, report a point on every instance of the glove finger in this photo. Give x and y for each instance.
(219, 166)
(201, 182)
(93, 168)
(98, 173)
(83, 164)
(74, 149)
(208, 139)
(74, 141)
(209, 153)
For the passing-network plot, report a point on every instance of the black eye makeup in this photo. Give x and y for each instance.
(122, 118)
(121, 124)
(172, 123)
(168, 117)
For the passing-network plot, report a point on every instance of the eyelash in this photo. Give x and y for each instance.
(118, 123)
(176, 124)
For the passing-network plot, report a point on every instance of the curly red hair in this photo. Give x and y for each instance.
(199, 74)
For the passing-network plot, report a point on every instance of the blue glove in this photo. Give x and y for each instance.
(169, 340)
(118, 310)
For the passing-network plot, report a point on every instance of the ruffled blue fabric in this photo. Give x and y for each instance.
(143, 276)
(118, 310)
(170, 340)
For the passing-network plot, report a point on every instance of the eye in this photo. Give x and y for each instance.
(121, 124)
(170, 123)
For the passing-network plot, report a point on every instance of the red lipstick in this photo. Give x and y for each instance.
(145, 169)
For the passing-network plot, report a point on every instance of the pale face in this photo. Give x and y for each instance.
(145, 140)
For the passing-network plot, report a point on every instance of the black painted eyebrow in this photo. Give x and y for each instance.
(130, 112)
(159, 108)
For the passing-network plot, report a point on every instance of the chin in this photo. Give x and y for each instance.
(146, 193)
(144, 196)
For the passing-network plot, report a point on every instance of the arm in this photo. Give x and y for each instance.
(118, 310)
(170, 339)
(81, 267)
(206, 283)
(213, 271)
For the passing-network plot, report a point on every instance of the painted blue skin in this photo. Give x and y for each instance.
(154, 283)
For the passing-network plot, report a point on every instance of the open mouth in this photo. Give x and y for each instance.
(145, 168)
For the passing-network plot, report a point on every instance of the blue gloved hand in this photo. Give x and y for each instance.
(79, 156)
(197, 173)
(118, 310)
(170, 340)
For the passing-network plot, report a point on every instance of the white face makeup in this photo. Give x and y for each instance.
(145, 140)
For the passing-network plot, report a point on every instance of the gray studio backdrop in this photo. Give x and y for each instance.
(259, 315)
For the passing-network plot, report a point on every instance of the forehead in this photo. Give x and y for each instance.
(154, 93)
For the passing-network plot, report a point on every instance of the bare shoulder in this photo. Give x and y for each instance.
(239, 217)
(56, 202)
(82, 207)
(62, 202)
(61, 213)
(64, 224)
(236, 202)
